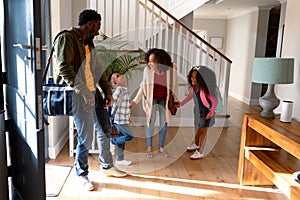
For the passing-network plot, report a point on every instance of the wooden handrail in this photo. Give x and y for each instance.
(176, 30)
(190, 31)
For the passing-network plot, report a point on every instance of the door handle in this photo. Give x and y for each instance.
(22, 46)
(26, 47)
(44, 47)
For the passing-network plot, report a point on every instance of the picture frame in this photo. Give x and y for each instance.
(216, 41)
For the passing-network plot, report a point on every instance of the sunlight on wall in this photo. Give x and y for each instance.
(25, 115)
(1, 17)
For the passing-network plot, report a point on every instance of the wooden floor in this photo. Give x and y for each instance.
(177, 177)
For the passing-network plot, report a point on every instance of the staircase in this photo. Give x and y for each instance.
(180, 8)
(146, 24)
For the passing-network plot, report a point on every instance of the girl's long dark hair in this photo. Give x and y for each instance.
(206, 79)
(163, 59)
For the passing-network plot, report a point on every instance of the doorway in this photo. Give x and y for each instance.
(25, 30)
(272, 38)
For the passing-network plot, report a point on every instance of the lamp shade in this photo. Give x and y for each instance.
(273, 70)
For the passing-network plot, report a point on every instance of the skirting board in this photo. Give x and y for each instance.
(55, 150)
(182, 122)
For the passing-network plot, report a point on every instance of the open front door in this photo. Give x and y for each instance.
(22, 95)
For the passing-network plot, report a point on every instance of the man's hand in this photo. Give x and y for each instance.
(107, 100)
(89, 99)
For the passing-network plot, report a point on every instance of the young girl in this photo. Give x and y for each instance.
(203, 86)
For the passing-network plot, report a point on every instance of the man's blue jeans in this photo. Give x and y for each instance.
(85, 120)
(104, 131)
(125, 134)
(162, 123)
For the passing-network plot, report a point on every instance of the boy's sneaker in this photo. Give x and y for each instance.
(193, 147)
(197, 155)
(113, 172)
(123, 162)
(112, 148)
(86, 183)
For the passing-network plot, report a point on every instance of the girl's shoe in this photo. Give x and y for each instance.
(149, 152)
(164, 152)
(193, 147)
(197, 155)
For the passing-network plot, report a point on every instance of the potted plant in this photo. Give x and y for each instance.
(116, 57)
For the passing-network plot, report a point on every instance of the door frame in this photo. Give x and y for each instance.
(29, 183)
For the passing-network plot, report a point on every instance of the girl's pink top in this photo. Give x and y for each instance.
(214, 101)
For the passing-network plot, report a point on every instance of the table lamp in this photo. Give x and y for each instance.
(272, 71)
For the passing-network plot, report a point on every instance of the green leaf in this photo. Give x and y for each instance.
(112, 57)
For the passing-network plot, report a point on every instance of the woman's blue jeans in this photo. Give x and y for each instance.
(160, 104)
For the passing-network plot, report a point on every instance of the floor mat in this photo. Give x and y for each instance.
(56, 176)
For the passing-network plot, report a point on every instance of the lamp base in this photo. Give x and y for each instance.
(269, 102)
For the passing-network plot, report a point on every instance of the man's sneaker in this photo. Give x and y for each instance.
(123, 162)
(112, 148)
(296, 176)
(113, 172)
(193, 147)
(197, 155)
(86, 183)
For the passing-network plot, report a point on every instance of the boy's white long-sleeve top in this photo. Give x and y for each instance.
(145, 92)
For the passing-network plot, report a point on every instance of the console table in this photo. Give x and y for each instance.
(270, 153)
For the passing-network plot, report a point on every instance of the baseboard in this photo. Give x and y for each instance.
(254, 102)
(55, 150)
(221, 121)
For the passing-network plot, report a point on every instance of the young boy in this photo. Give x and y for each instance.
(121, 114)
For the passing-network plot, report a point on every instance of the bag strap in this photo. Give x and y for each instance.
(203, 98)
(50, 56)
(171, 80)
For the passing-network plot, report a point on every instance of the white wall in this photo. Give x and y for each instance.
(77, 7)
(240, 48)
(240, 35)
(291, 48)
(214, 28)
(61, 18)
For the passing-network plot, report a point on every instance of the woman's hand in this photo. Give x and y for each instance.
(133, 103)
(208, 116)
(177, 104)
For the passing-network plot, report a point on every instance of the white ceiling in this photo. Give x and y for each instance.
(231, 8)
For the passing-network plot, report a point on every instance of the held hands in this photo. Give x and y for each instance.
(177, 104)
(131, 122)
(107, 100)
(133, 103)
(208, 116)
